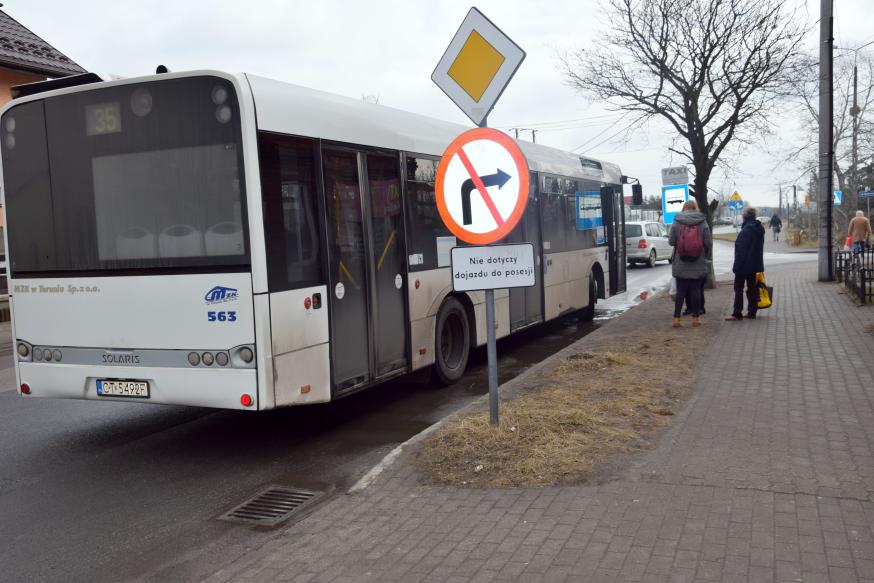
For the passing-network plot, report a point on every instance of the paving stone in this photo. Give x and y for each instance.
(767, 475)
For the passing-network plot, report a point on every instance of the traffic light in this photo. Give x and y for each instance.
(636, 194)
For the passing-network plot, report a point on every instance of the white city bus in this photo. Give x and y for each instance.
(231, 241)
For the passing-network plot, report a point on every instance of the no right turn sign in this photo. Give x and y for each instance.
(482, 186)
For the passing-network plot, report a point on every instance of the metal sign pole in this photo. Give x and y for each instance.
(491, 344)
(492, 353)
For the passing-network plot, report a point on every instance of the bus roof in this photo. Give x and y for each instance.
(287, 108)
(292, 109)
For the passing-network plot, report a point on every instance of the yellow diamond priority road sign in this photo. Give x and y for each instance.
(477, 66)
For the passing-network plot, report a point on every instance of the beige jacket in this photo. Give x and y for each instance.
(860, 229)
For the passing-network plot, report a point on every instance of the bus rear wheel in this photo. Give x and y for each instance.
(451, 341)
(588, 313)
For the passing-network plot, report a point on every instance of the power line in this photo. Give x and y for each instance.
(562, 121)
(596, 136)
(605, 140)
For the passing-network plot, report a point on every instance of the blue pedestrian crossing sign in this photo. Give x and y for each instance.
(838, 196)
(735, 201)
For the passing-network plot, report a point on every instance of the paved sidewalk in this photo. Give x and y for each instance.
(768, 475)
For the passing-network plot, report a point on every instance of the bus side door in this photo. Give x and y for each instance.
(366, 272)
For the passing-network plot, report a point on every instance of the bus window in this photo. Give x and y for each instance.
(291, 227)
(552, 214)
(28, 190)
(98, 181)
(424, 222)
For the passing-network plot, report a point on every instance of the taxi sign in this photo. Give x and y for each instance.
(482, 186)
(477, 66)
(675, 175)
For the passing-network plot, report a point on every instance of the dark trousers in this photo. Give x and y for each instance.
(701, 283)
(752, 294)
(688, 290)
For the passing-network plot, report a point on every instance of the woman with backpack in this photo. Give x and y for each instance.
(690, 237)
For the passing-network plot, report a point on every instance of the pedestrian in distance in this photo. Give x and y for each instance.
(691, 240)
(860, 230)
(749, 259)
(776, 226)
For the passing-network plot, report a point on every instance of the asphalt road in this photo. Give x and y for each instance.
(106, 491)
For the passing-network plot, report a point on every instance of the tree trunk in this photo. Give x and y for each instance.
(709, 209)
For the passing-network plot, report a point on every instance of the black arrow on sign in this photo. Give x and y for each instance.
(498, 179)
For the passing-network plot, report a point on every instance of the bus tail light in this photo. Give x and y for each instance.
(307, 302)
(305, 389)
(246, 354)
(246, 400)
(25, 389)
(642, 244)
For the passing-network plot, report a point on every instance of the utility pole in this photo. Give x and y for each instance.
(780, 199)
(534, 136)
(516, 131)
(826, 141)
(854, 111)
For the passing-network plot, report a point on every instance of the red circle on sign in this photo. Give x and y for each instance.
(451, 152)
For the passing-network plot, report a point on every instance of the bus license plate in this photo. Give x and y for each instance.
(139, 389)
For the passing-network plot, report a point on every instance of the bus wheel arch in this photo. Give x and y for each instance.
(598, 275)
(453, 333)
(596, 290)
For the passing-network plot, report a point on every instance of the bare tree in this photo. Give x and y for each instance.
(849, 178)
(712, 69)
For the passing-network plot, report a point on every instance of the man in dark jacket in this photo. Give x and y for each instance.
(748, 261)
(776, 226)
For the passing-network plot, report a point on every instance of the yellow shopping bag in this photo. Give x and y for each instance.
(766, 292)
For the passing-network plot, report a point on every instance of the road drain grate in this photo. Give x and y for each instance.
(272, 506)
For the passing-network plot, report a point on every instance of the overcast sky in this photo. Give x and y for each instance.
(389, 48)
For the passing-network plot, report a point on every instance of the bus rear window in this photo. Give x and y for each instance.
(140, 176)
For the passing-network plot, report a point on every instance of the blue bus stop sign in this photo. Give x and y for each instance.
(673, 199)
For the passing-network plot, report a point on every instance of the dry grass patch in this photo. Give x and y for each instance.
(591, 408)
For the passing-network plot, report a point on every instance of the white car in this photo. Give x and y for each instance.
(647, 242)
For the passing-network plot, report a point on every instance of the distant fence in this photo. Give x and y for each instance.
(636, 213)
(856, 272)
